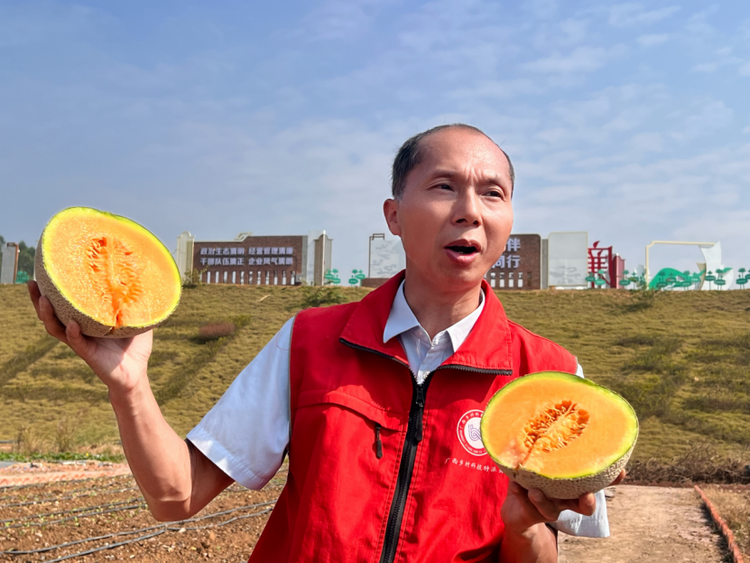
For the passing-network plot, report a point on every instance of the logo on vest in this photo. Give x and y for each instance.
(468, 432)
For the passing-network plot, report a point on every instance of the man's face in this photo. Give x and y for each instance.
(455, 215)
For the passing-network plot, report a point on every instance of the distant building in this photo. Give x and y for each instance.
(257, 260)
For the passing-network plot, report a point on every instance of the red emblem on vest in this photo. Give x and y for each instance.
(468, 432)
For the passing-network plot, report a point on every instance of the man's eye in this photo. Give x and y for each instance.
(495, 193)
(445, 187)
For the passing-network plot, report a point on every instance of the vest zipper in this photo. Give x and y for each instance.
(414, 435)
(405, 470)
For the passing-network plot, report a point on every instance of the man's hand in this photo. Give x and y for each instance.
(525, 514)
(118, 362)
(523, 509)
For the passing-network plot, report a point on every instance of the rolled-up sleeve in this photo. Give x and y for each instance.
(246, 434)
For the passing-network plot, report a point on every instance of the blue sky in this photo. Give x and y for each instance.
(627, 120)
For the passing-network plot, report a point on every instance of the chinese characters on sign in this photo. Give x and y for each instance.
(241, 256)
(510, 261)
(519, 266)
(252, 251)
(249, 261)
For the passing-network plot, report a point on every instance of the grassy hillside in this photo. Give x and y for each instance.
(682, 359)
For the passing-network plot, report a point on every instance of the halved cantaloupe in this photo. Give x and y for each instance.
(559, 433)
(106, 272)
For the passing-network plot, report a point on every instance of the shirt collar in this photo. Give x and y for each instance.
(401, 319)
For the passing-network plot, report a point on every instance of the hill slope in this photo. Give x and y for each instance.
(682, 359)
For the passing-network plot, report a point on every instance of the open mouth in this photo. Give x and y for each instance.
(467, 250)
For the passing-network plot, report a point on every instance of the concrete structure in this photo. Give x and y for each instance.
(10, 263)
(184, 254)
(259, 260)
(567, 259)
(318, 258)
(385, 259)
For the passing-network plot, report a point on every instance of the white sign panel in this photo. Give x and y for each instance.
(10, 262)
(387, 258)
(568, 259)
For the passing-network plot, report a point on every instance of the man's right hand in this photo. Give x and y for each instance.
(119, 362)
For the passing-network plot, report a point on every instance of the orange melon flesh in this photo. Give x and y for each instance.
(559, 427)
(110, 268)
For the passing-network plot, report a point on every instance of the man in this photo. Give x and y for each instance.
(366, 397)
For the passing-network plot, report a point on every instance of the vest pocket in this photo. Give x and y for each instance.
(349, 412)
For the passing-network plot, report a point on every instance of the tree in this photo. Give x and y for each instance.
(2, 244)
(26, 259)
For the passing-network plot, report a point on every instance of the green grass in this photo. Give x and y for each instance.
(682, 359)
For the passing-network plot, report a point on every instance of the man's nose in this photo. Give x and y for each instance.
(467, 208)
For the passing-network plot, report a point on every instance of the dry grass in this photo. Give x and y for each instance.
(29, 441)
(734, 508)
(700, 463)
(683, 359)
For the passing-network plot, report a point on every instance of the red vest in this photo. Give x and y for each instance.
(383, 470)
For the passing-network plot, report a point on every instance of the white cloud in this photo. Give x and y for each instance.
(698, 25)
(581, 59)
(624, 15)
(542, 9)
(705, 67)
(647, 142)
(745, 69)
(704, 117)
(574, 30)
(724, 58)
(341, 19)
(496, 89)
(652, 40)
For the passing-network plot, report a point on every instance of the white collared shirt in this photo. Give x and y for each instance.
(425, 354)
(246, 434)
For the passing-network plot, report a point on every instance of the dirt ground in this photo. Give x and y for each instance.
(105, 519)
(654, 524)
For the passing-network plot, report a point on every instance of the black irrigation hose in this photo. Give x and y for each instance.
(161, 527)
(84, 540)
(105, 547)
(71, 511)
(12, 488)
(220, 524)
(83, 515)
(70, 497)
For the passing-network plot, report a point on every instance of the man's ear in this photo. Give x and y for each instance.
(390, 210)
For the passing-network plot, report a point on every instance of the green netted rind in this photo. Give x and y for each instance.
(66, 310)
(591, 479)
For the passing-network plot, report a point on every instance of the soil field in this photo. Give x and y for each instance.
(105, 519)
(653, 524)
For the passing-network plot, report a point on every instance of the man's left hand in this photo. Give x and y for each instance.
(524, 509)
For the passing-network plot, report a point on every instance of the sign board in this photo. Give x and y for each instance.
(519, 266)
(10, 263)
(568, 259)
(254, 260)
(387, 258)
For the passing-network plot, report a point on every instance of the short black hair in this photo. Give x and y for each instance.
(410, 155)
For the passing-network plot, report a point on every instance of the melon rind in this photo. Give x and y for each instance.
(66, 311)
(569, 487)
